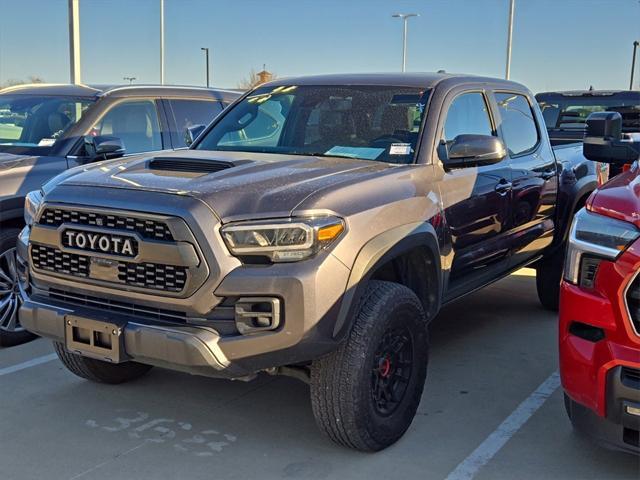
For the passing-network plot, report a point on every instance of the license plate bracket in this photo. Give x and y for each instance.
(95, 338)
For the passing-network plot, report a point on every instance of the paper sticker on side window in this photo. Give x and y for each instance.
(400, 149)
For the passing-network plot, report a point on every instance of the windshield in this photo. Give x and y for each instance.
(570, 113)
(366, 122)
(32, 124)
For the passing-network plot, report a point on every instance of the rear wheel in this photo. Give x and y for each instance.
(366, 393)
(97, 370)
(548, 278)
(11, 332)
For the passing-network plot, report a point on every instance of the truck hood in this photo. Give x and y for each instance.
(620, 197)
(246, 184)
(10, 160)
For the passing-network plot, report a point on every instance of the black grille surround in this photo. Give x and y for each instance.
(147, 229)
(633, 303)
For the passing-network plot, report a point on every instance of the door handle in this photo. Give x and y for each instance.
(503, 187)
(548, 174)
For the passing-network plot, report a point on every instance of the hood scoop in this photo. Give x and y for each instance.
(190, 165)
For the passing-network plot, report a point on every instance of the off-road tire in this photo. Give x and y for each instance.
(8, 338)
(97, 370)
(343, 382)
(548, 278)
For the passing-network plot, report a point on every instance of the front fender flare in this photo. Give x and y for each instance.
(375, 253)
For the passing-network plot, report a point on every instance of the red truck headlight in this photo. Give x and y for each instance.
(594, 238)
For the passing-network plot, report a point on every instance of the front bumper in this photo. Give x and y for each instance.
(619, 430)
(204, 340)
(600, 354)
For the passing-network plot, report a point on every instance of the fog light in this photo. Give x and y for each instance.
(257, 314)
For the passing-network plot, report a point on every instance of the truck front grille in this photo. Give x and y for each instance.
(53, 260)
(149, 229)
(633, 303)
(125, 308)
(150, 275)
(145, 275)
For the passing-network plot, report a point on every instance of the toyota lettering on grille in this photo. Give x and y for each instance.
(100, 242)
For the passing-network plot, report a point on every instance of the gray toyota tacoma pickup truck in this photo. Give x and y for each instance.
(314, 229)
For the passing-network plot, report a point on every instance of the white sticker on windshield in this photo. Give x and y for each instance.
(400, 149)
(46, 142)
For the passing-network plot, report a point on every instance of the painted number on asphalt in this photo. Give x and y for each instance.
(140, 426)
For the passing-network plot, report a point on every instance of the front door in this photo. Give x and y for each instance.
(477, 201)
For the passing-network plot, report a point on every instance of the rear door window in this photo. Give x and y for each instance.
(188, 113)
(518, 123)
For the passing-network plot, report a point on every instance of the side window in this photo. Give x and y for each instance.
(467, 115)
(518, 123)
(187, 113)
(135, 122)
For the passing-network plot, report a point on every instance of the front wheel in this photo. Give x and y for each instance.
(366, 393)
(11, 332)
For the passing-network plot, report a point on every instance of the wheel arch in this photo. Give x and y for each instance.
(405, 255)
(12, 212)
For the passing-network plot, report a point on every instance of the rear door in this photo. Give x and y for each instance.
(477, 201)
(534, 176)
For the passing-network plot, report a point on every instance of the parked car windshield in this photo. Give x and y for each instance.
(379, 123)
(32, 124)
(570, 112)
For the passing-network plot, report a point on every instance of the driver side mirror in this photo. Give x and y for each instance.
(604, 141)
(192, 132)
(473, 151)
(103, 147)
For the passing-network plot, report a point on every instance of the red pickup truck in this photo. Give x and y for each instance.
(600, 300)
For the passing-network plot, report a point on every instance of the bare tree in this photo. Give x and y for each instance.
(256, 78)
(18, 81)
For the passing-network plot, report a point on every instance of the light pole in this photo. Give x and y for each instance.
(161, 42)
(633, 63)
(206, 55)
(405, 18)
(131, 79)
(74, 41)
(512, 6)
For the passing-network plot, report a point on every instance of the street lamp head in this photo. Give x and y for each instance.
(405, 15)
(204, 49)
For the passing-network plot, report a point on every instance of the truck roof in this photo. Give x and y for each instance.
(590, 93)
(420, 80)
(80, 90)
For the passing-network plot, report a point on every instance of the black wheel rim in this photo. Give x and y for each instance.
(10, 299)
(392, 367)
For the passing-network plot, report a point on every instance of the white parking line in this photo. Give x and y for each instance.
(31, 363)
(468, 468)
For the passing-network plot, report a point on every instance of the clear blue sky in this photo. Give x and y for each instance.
(558, 44)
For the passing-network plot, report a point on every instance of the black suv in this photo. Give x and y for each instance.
(46, 129)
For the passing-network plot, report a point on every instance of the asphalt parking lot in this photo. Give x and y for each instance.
(490, 352)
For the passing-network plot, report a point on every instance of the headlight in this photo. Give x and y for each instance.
(32, 203)
(282, 240)
(593, 238)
